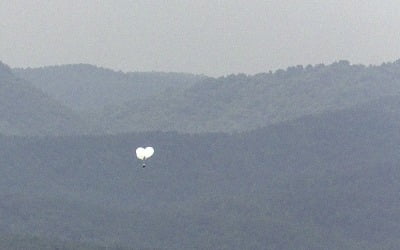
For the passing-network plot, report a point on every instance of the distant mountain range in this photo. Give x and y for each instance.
(27, 110)
(242, 103)
(117, 102)
(303, 158)
(87, 88)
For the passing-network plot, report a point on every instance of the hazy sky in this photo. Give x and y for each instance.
(201, 36)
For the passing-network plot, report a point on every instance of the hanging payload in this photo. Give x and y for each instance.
(144, 154)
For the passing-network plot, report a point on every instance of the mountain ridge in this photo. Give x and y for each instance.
(132, 102)
(25, 110)
(241, 102)
(308, 183)
(88, 88)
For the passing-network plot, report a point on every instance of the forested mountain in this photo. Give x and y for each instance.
(88, 88)
(25, 110)
(303, 158)
(242, 102)
(327, 181)
(132, 102)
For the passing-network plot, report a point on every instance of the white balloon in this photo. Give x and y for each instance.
(144, 153)
(140, 153)
(148, 152)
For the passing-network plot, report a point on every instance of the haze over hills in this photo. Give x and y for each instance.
(273, 142)
(87, 88)
(303, 158)
(327, 181)
(130, 102)
(313, 164)
(242, 103)
(26, 110)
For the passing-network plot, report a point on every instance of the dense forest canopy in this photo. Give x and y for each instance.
(302, 158)
(114, 102)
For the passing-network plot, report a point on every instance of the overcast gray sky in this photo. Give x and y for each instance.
(214, 37)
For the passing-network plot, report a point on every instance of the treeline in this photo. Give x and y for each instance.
(130, 102)
(84, 99)
(327, 181)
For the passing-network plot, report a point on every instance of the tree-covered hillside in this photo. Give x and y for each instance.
(116, 102)
(242, 102)
(87, 88)
(326, 181)
(25, 110)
